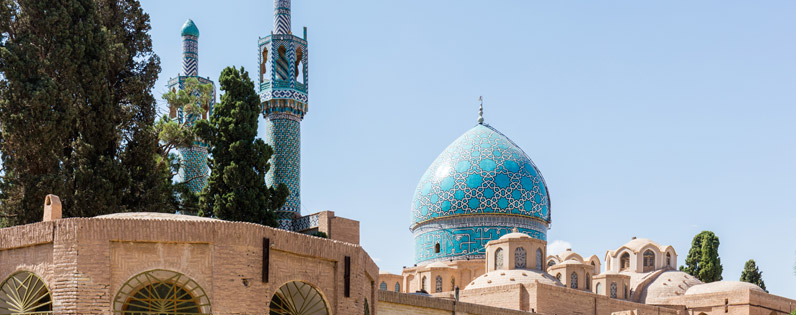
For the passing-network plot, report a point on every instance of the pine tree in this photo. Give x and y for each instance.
(703, 260)
(752, 274)
(76, 110)
(236, 189)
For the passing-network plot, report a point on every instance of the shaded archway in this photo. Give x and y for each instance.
(298, 298)
(25, 293)
(624, 262)
(161, 292)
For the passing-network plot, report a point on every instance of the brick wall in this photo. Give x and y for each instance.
(391, 303)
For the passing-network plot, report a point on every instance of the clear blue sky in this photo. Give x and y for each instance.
(656, 119)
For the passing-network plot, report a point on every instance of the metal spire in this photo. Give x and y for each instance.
(481, 110)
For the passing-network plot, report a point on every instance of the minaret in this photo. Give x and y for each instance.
(194, 164)
(283, 93)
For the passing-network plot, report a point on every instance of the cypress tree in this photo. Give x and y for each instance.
(76, 110)
(236, 189)
(703, 260)
(752, 274)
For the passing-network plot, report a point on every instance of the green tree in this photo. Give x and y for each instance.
(703, 260)
(76, 110)
(752, 274)
(236, 189)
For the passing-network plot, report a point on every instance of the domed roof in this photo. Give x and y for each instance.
(722, 286)
(189, 28)
(513, 276)
(482, 172)
(667, 285)
(514, 235)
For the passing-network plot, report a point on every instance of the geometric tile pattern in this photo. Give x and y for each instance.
(478, 189)
(284, 103)
(195, 170)
(481, 172)
(466, 237)
(190, 55)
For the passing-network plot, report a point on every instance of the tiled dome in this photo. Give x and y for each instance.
(479, 188)
(189, 28)
(482, 172)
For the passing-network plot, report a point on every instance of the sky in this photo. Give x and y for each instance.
(654, 119)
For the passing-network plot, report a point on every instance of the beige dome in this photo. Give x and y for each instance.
(154, 216)
(514, 235)
(722, 286)
(438, 264)
(667, 285)
(514, 276)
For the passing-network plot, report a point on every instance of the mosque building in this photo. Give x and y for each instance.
(479, 216)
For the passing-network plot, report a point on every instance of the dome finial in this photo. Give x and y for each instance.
(481, 110)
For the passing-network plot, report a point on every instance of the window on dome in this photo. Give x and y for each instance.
(499, 259)
(573, 280)
(669, 259)
(519, 258)
(436, 248)
(649, 260)
(613, 290)
(438, 284)
(588, 281)
(551, 263)
(25, 293)
(624, 262)
(539, 259)
(383, 286)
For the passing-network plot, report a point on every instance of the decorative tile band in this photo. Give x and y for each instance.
(284, 136)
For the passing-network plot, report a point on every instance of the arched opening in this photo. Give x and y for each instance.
(594, 267)
(558, 276)
(383, 286)
(438, 284)
(282, 70)
(588, 281)
(298, 298)
(599, 289)
(573, 280)
(613, 290)
(453, 283)
(539, 259)
(499, 259)
(669, 259)
(649, 261)
(625, 295)
(264, 65)
(424, 284)
(551, 263)
(299, 65)
(519, 258)
(624, 262)
(25, 293)
(436, 248)
(161, 292)
(397, 287)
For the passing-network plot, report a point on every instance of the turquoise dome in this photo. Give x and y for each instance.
(483, 186)
(482, 172)
(189, 28)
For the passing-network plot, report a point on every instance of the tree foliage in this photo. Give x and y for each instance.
(703, 260)
(752, 274)
(76, 111)
(236, 189)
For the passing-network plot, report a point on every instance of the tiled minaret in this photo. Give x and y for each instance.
(194, 168)
(283, 93)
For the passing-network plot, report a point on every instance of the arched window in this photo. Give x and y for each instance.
(296, 298)
(499, 259)
(551, 263)
(624, 262)
(25, 293)
(649, 260)
(599, 289)
(383, 286)
(669, 259)
(519, 258)
(573, 280)
(424, 284)
(397, 287)
(613, 290)
(282, 65)
(438, 284)
(625, 291)
(298, 70)
(594, 267)
(539, 259)
(453, 283)
(436, 248)
(588, 281)
(264, 66)
(161, 292)
(558, 276)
